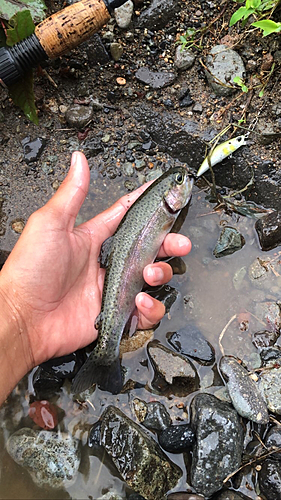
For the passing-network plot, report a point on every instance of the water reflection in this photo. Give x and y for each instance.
(220, 297)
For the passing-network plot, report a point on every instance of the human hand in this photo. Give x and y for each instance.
(52, 283)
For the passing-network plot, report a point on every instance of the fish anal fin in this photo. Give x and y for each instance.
(105, 251)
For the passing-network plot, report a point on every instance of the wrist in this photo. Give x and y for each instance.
(16, 357)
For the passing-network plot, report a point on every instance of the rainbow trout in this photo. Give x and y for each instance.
(134, 244)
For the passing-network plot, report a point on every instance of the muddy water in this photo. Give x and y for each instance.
(216, 295)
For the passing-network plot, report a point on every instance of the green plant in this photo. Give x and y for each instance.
(257, 8)
(241, 83)
(188, 39)
(17, 21)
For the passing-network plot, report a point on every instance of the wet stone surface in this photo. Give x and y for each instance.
(223, 64)
(264, 339)
(230, 240)
(173, 367)
(273, 439)
(189, 341)
(153, 415)
(51, 459)
(269, 230)
(269, 385)
(155, 79)
(219, 443)
(270, 480)
(145, 469)
(244, 393)
(176, 438)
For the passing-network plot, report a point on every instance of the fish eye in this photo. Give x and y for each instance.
(179, 178)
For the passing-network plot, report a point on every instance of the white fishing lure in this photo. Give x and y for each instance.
(221, 152)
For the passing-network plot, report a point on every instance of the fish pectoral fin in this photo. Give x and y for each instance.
(105, 251)
(98, 320)
(107, 377)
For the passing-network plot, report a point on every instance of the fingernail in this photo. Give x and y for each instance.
(74, 158)
(147, 301)
(182, 241)
(156, 273)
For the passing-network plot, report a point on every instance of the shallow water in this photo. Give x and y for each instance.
(214, 293)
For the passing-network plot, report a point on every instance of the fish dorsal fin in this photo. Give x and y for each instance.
(105, 251)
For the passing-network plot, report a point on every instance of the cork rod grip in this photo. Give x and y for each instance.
(68, 28)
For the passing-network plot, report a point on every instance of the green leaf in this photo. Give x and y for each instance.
(21, 27)
(238, 80)
(261, 93)
(239, 14)
(267, 26)
(244, 88)
(23, 96)
(10, 7)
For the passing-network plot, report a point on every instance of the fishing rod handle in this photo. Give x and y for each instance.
(73, 25)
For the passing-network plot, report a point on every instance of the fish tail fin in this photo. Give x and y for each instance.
(107, 377)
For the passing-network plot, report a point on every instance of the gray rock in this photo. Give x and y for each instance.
(269, 384)
(223, 64)
(176, 438)
(155, 79)
(230, 240)
(273, 439)
(33, 148)
(271, 355)
(51, 459)
(153, 415)
(230, 495)
(269, 230)
(123, 14)
(264, 338)
(78, 115)
(270, 480)
(219, 443)
(158, 14)
(270, 314)
(116, 51)
(96, 51)
(146, 469)
(244, 393)
(171, 366)
(189, 341)
(182, 495)
(184, 59)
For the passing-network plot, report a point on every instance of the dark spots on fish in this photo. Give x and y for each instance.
(239, 139)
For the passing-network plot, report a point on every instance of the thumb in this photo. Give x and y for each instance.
(66, 203)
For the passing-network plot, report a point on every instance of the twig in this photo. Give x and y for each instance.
(262, 457)
(223, 332)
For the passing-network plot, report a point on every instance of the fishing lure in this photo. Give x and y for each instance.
(221, 152)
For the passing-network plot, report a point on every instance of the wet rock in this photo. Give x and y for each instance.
(33, 149)
(45, 383)
(268, 132)
(51, 459)
(166, 294)
(219, 443)
(270, 313)
(223, 64)
(231, 495)
(123, 14)
(116, 51)
(78, 115)
(155, 79)
(176, 438)
(269, 385)
(153, 415)
(184, 59)
(270, 480)
(244, 393)
(264, 338)
(185, 99)
(158, 14)
(43, 414)
(181, 139)
(273, 439)
(96, 51)
(147, 470)
(271, 356)
(94, 440)
(181, 495)
(189, 341)
(92, 147)
(269, 230)
(171, 366)
(230, 240)
(65, 366)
